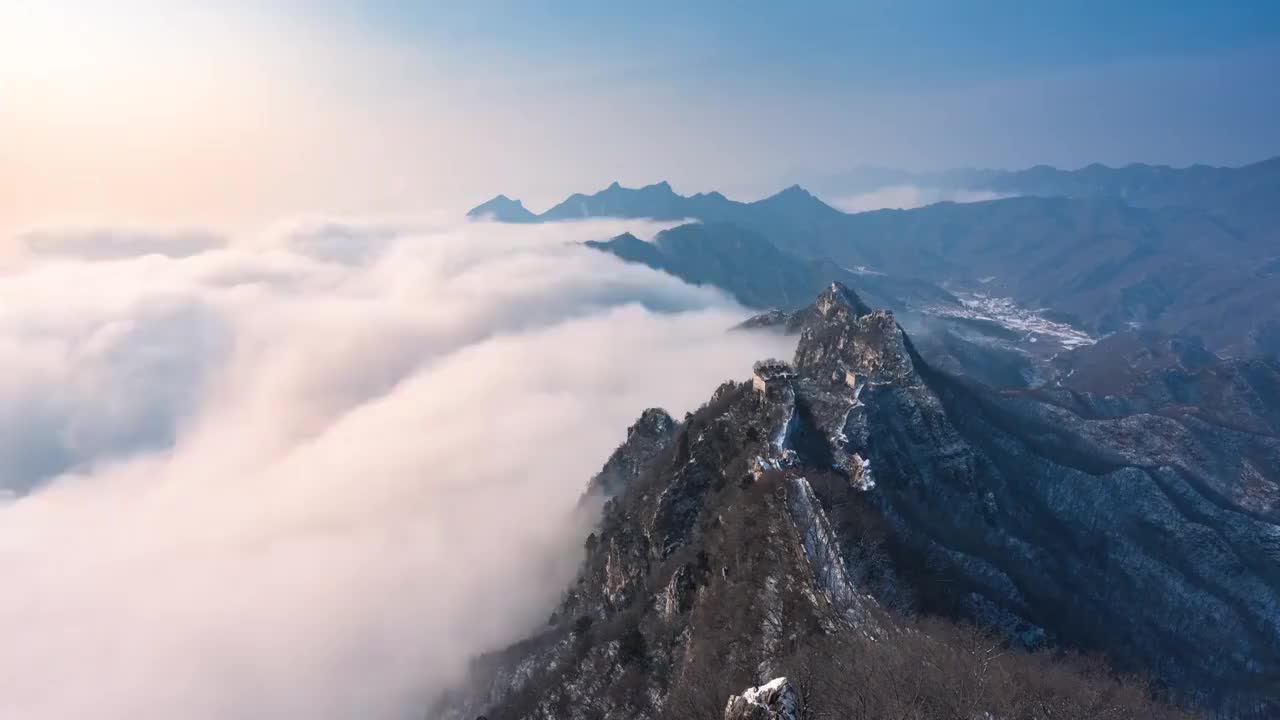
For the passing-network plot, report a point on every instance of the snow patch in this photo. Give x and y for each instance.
(865, 480)
(778, 699)
(1005, 312)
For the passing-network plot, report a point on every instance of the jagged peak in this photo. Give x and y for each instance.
(843, 334)
(646, 437)
(653, 422)
(615, 185)
(837, 295)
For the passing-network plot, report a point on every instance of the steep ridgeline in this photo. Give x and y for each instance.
(792, 536)
(1152, 538)
(712, 563)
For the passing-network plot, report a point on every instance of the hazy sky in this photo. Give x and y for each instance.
(177, 111)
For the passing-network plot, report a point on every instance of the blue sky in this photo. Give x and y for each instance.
(864, 41)
(169, 107)
(1025, 82)
(909, 83)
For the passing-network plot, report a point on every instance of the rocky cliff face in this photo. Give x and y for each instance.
(704, 561)
(777, 699)
(817, 515)
(646, 439)
(1150, 538)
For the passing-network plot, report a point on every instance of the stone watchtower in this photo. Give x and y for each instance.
(844, 376)
(770, 375)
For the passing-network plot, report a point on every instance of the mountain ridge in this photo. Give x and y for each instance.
(1098, 262)
(1055, 181)
(812, 514)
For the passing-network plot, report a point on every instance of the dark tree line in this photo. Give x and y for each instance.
(932, 670)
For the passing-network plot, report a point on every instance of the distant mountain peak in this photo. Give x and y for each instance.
(793, 193)
(630, 248)
(502, 209)
(796, 199)
(663, 187)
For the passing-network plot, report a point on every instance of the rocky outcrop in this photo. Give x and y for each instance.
(842, 333)
(651, 434)
(775, 700)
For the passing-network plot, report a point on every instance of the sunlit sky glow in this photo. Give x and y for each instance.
(177, 111)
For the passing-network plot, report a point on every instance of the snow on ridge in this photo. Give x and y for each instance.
(823, 552)
(782, 438)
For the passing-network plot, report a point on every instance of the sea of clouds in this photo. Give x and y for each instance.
(309, 471)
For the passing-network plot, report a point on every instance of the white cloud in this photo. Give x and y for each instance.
(107, 244)
(279, 479)
(905, 197)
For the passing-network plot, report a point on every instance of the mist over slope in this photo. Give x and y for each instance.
(282, 475)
